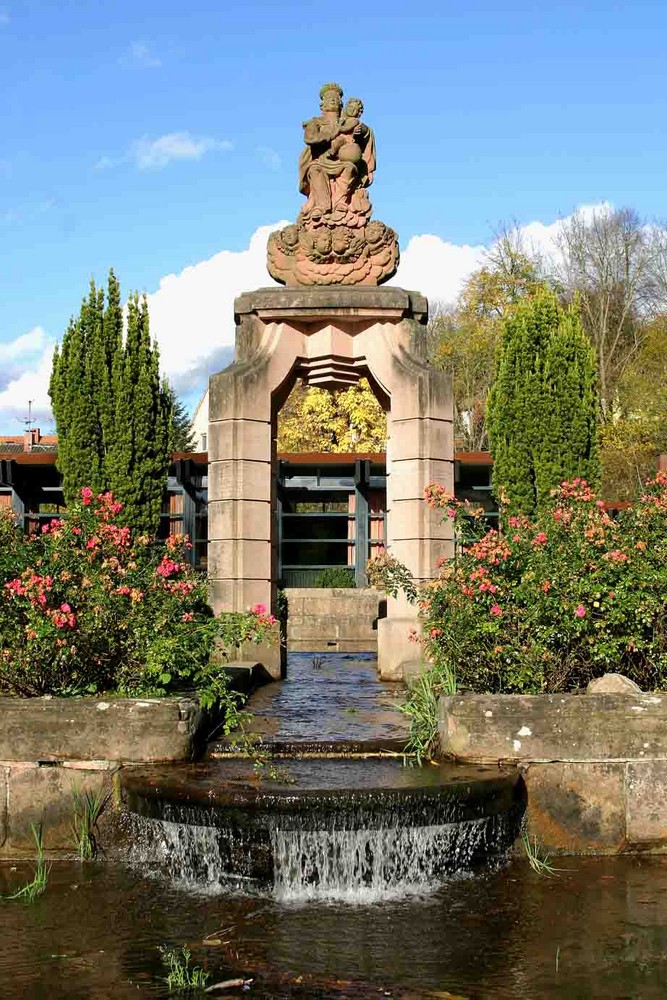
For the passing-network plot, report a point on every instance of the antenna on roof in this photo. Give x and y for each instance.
(28, 420)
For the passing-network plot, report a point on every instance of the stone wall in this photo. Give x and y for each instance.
(326, 619)
(595, 765)
(50, 746)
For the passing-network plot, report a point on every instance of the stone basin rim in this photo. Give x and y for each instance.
(187, 786)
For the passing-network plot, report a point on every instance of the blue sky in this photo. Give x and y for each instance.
(151, 136)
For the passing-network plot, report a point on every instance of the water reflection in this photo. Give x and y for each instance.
(599, 930)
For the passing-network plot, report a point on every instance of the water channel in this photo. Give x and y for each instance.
(369, 878)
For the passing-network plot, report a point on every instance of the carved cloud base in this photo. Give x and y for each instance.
(328, 254)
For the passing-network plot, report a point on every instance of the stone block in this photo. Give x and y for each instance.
(240, 480)
(44, 796)
(231, 519)
(420, 437)
(3, 805)
(407, 478)
(421, 555)
(294, 602)
(577, 808)
(417, 390)
(554, 727)
(241, 393)
(343, 617)
(330, 301)
(271, 656)
(248, 439)
(239, 557)
(415, 519)
(394, 646)
(613, 684)
(121, 729)
(646, 804)
(238, 595)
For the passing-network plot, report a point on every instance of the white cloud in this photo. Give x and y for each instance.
(26, 346)
(25, 363)
(4, 16)
(154, 154)
(437, 268)
(192, 313)
(141, 55)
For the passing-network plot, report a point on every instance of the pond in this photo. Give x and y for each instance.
(596, 930)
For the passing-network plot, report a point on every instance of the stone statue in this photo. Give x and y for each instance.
(334, 240)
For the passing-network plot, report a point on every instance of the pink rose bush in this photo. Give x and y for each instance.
(550, 602)
(86, 608)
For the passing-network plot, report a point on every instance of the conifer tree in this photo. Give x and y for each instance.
(113, 414)
(139, 457)
(74, 397)
(543, 406)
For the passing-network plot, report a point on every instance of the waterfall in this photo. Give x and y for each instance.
(351, 865)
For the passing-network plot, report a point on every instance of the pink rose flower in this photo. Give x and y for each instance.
(580, 611)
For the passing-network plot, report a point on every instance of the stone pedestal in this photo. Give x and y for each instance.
(330, 336)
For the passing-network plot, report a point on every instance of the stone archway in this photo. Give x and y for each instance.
(330, 336)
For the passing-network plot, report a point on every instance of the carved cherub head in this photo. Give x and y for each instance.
(354, 107)
(331, 97)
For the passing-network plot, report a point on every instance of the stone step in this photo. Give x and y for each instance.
(232, 748)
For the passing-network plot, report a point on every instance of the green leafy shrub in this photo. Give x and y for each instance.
(335, 576)
(87, 608)
(553, 601)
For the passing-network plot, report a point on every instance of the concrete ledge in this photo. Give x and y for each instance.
(550, 727)
(331, 300)
(595, 766)
(85, 729)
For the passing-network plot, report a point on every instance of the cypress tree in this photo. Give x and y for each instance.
(543, 405)
(139, 457)
(113, 415)
(74, 399)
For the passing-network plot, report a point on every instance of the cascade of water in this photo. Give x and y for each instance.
(355, 865)
(364, 865)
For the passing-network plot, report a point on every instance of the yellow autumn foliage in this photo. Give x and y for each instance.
(350, 420)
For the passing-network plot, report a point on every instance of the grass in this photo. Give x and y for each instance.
(87, 807)
(538, 859)
(181, 976)
(422, 710)
(29, 892)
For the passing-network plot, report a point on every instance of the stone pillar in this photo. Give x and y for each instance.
(331, 336)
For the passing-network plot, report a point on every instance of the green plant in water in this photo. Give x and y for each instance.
(87, 807)
(538, 859)
(181, 976)
(29, 892)
(422, 710)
